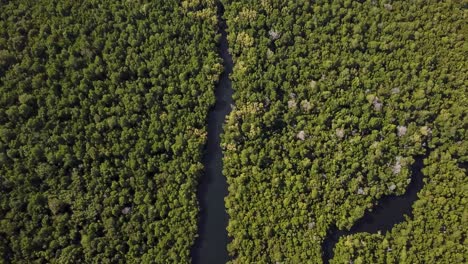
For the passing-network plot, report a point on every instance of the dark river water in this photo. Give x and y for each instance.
(211, 244)
(389, 211)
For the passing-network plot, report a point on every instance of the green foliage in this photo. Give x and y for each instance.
(436, 232)
(102, 124)
(333, 101)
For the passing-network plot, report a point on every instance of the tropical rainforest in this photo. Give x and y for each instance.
(102, 127)
(103, 112)
(334, 100)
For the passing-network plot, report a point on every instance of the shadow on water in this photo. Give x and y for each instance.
(390, 210)
(211, 245)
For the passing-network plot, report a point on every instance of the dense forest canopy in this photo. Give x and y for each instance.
(103, 108)
(102, 125)
(334, 99)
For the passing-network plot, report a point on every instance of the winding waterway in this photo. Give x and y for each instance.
(211, 244)
(389, 211)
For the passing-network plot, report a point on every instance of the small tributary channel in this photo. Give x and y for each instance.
(211, 245)
(389, 211)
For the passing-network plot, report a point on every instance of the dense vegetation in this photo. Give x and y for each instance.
(103, 120)
(102, 124)
(334, 99)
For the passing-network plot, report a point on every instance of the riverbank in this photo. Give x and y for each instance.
(390, 210)
(211, 244)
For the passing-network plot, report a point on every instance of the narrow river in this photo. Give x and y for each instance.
(389, 211)
(211, 244)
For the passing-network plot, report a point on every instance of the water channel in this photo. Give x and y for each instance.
(389, 211)
(211, 244)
